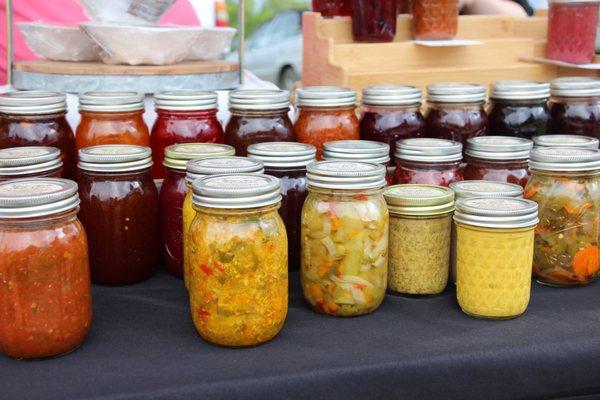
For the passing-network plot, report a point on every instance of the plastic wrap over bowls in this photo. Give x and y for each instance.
(211, 44)
(113, 11)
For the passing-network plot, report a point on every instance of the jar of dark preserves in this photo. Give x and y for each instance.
(360, 150)
(288, 161)
(183, 116)
(519, 108)
(35, 118)
(374, 20)
(404, 6)
(581, 142)
(332, 8)
(119, 210)
(30, 162)
(575, 106)
(435, 19)
(258, 116)
(428, 161)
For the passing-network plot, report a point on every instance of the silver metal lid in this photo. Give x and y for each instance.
(499, 212)
(178, 155)
(222, 166)
(582, 142)
(564, 159)
(423, 200)
(240, 191)
(28, 102)
(468, 189)
(575, 86)
(350, 175)
(259, 100)
(520, 90)
(325, 96)
(428, 150)
(111, 101)
(283, 154)
(357, 150)
(37, 197)
(499, 148)
(391, 95)
(456, 93)
(115, 158)
(186, 100)
(15, 161)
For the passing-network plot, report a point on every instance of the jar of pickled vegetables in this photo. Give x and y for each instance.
(428, 161)
(435, 19)
(332, 8)
(360, 150)
(374, 21)
(581, 142)
(45, 294)
(494, 241)
(565, 182)
(575, 106)
(326, 114)
(345, 227)
(238, 260)
(29, 162)
(420, 227)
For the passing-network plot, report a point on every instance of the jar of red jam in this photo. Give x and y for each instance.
(456, 111)
(288, 161)
(435, 19)
(30, 162)
(119, 210)
(575, 106)
(519, 108)
(326, 114)
(45, 294)
(581, 142)
(499, 159)
(374, 21)
(360, 150)
(183, 116)
(332, 8)
(111, 118)
(36, 118)
(391, 113)
(404, 6)
(572, 28)
(428, 161)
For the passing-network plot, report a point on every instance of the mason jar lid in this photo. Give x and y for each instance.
(259, 99)
(240, 191)
(468, 189)
(419, 200)
(283, 154)
(222, 166)
(350, 175)
(186, 100)
(178, 155)
(456, 93)
(15, 161)
(357, 150)
(575, 86)
(27, 102)
(37, 197)
(582, 142)
(391, 95)
(499, 148)
(564, 159)
(115, 158)
(325, 96)
(111, 101)
(428, 150)
(520, 90)
(499, 212)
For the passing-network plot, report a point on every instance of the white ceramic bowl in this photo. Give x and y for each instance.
(211, 43)
(112, 11)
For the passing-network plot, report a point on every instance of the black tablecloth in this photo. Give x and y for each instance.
(143, 345)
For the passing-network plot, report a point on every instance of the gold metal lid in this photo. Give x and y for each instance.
(419, 200)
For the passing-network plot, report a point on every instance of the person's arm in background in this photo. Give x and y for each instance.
(515, 8)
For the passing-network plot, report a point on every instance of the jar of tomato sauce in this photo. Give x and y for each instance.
(45, 294)
(428, 161)
(575, 106)
(30, 162)
(326, 114)
(119, 209)
(435, 19)
(111, 118)
(332, 8)
(374, 21)
(581, 142)
(36, 118)
(360, 150)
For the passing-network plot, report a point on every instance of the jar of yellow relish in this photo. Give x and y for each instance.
(238, 272)
(494, 255)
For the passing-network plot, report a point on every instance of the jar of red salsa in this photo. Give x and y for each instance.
(581, 142)
(183, 116)
(35, 118)
(428, 161)
(45, 294)
(332, 8)
(575, 106)
(326, 114)
(119, 210)
(374, 20)
(360, 150)
(30, 162)
(435, 19)
(572, 28)
(288, 161)
(499, 159)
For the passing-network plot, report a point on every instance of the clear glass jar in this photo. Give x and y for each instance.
(238, 260)
(420, 228)
(30, 162)
(435, 19)
(374, 21)
(575, 106)
(332, 8)
(360, 150)
(345, 226)
(494, 253)
(566, 185)
(45, 293)
(581, 142)
(428, 162)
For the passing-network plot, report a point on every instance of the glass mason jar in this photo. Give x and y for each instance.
(30, 162)
(494, 241)
(238, 260)
(428, 162)
(45, 294)
(345, 226)
(288, 161)
(435, 19)
(572, 30)
(36, 118)
(111, 118)
(566, 185)
(119, 210)
(575, 106)
(420, 228)
(374, 21)
(360, 150)
(326, 114)
(581, 142)
(332, 8)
